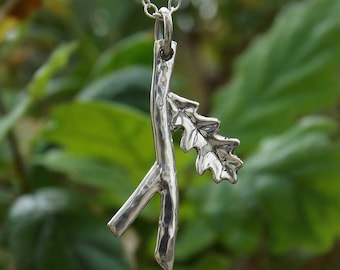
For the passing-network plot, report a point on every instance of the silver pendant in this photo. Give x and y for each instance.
(170, 112)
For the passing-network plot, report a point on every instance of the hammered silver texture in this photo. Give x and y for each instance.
(162, 176)
(170, 112)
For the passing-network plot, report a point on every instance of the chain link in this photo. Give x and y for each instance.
(152, 11)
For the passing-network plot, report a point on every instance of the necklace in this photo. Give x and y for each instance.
(170, 112)
(152, 11)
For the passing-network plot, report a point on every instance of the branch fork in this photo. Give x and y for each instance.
(170, 112)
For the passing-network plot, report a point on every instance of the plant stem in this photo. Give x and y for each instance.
(18, 161)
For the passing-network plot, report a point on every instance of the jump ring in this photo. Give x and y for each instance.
(163, 31)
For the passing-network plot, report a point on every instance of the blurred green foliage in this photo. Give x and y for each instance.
(75, 134)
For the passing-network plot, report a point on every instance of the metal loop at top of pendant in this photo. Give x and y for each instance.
(163, 31)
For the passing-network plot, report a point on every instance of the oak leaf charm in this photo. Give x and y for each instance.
(214, 152)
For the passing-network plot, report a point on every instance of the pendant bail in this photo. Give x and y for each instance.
(163, 31)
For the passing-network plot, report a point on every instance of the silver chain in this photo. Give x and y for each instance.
(152, 11)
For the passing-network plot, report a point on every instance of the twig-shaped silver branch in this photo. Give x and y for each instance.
(162, 176)
(170, 112)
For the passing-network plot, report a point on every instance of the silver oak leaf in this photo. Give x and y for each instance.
(214, 152)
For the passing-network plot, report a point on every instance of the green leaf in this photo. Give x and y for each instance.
(196, 230)
(308, 139)
(289, 185)
(104, 131)
(134, 50)
(290, 71)
(219, 262)
(229, 215)
(105, 146)
(38, 85)
(288, 189)
(9, 120)
(103, 176)
(51, 230)
(207, 261)
(103, 143)
(302, 172)
(129, 86)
